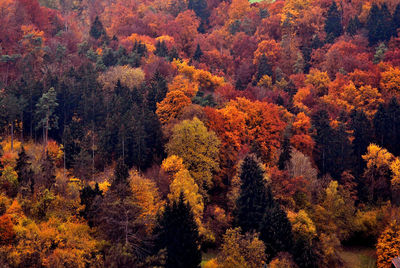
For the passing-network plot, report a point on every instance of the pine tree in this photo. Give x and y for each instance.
(263, 68)
(333, 23)
(393, 127)
(276, 231)
(284, 157)
(97, 29)
(198, 53)
(177, 233)
(380, 125)
(45, 111)
(379, 24)
(90, 198)
(161, 49)
(323, 140)
(254, 197)
(121, 174)
(361, 127)
(354, 26)
(48, 172)
(304, 254)
(157, 90)
(201, 9)
(396, 20)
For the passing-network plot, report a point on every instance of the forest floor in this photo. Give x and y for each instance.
(353, 257)
(358, 257)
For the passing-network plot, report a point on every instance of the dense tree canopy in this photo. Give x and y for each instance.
(179, 133)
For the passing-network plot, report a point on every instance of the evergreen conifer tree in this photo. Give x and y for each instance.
(254, 197)
(97, 29)
(361, 127)
(353, 26)
(177, 233)
(198, 53)
(396, 20)
(379, 24)
(286, 151)
(276, 231)
(333, 23)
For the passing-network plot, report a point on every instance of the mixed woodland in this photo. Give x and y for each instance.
(188, 133)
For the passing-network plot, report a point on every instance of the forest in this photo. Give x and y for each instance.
(199, 133)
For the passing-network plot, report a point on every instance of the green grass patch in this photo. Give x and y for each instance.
(358, 257)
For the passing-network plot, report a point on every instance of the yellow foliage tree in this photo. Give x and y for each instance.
(388, 246)
(148, 199)
(171, 106)
(183, 182)
(293, 9)
(129, 77)
(205, 79)
(182, 83)
(302, 225)
(390, 81)
(238, 250)
(319, 81)
(198, 148)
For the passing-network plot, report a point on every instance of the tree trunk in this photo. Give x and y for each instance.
(12, 136)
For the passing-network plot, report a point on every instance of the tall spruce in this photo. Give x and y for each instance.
(285, 155)
(353, 26)
(333, 23)
(393, 128)
(396, 20)
(379, 24)
(161, 49)
(177, 233)
(276, 231)
(200, 8)
(380, 125)
(198, 53)
(254, 197)
(97, 29)
(91, 199)
(361, 126)
(323, 137)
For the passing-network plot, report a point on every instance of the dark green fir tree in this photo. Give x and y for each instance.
(198, 53)
(333, 23)
(177, 234)
(97, 29)
(254, 197)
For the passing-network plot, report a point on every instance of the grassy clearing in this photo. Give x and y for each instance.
(358, 257)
